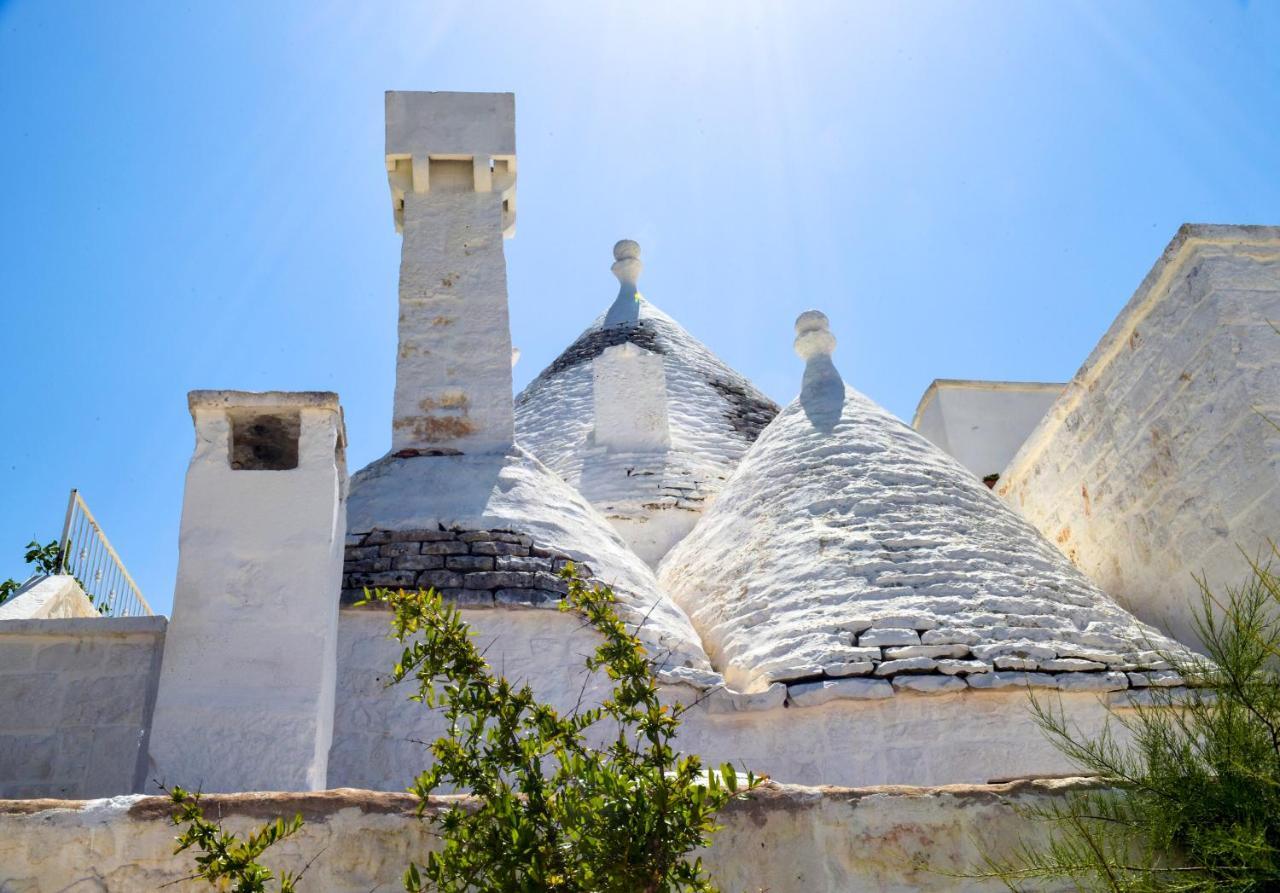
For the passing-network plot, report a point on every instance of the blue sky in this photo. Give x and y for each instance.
(193, 196)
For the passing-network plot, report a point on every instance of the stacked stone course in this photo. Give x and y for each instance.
(913, 654)
(471, 568)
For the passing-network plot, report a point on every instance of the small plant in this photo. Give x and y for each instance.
(1192, 802)
(550, 812)
(46, 558)
(227, 860)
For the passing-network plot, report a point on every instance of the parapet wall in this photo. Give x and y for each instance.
(77, 701)
(786, 839)
(1158, 461)
(911, 738)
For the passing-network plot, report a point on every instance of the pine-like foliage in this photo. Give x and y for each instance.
(551, 812)
(1189, 798)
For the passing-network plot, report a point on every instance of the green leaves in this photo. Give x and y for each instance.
(552, 812)
(1190, 796)
(226, 859)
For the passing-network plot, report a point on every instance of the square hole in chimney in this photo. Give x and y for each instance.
(265, 441)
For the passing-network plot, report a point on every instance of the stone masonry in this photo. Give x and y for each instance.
(471, 568)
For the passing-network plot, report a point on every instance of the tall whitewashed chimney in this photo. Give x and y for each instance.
(451, 165)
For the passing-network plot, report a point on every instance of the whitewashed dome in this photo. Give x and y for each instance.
(490, 531)
(849, 556)
(711, 416)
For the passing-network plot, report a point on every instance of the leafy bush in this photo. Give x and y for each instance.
(46, 559)
(550, 812)
(1192, 801)
(225, 860)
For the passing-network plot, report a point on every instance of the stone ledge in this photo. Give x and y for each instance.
(152, 625)
(318, 805)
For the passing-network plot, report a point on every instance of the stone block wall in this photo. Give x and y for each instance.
(785, 839)
(475, 568)
(77, 697)
(1157, 462)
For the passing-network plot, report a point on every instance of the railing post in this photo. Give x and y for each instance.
(66, 532)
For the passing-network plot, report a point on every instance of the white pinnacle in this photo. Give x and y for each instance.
(813, 335)
(627, 266)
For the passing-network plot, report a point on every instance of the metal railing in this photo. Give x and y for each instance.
(87, 555)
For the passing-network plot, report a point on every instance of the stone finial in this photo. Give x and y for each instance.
(626, 262)
(813, 335)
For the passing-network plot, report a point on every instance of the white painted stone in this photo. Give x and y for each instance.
(917, 622)
(1092, 681)
(453, 363)
(54, 596)
(812, 694)
(926, 651)
(781, 839)
(76, 699)
(949, 636)
(517, 492)
(1070, 664)
(983, 423)
(999, 680)
(1156, 462)
(630, 400)
(907, 665)
(246, 694)
(840, 514)
(849, 668)
(963, 667)
(889, 637)
(929, 684)
(652, 493)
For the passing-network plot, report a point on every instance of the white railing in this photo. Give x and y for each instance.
(87, 555)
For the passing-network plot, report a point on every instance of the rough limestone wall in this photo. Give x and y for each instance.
(75, 703)
(785, 840)
(911, 738)
(1156, 462)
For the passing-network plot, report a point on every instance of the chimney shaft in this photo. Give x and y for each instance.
(451, 166)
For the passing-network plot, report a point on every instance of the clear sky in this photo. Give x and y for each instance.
(192, 195)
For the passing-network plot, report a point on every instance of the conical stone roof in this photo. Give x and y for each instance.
(850, 557)
(490, 530)
(712, 415)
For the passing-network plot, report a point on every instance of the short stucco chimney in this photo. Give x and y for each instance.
(246, 693)
(451, 165)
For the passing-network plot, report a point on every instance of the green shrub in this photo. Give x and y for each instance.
(1192, 800)
(550, 812)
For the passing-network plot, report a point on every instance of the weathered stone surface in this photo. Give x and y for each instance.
(888, 637)
(907, 665)
(849, 668)
(468, 563)
(418, 563)
(935, 651)
(893, 839)
(1156, 460)
(1092, 681)
(930, 684)
(963, 667)
(1012, 680)
(74, 705)
(811, 694)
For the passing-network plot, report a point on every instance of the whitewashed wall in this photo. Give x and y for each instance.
(785, 840)
(75, 703)
(1156, 462)
(983, 423)
(911, 738)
